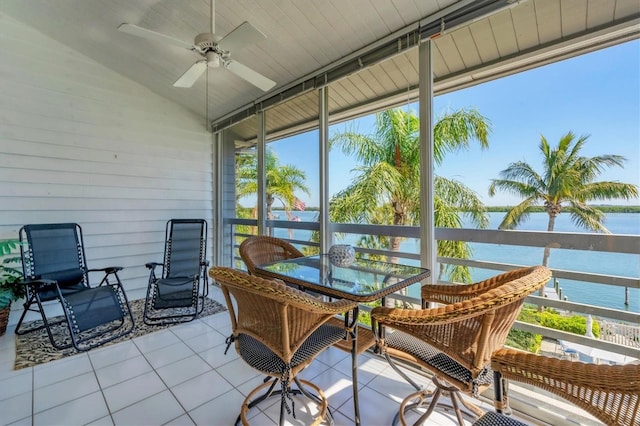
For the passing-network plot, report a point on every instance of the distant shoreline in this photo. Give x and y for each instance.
(605, 209)
(537, 209)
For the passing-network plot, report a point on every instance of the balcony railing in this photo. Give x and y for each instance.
(624, 337)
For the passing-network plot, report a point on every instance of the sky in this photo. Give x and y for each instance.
(595, 94)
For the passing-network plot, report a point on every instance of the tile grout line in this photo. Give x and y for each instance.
(33, 394)
(104, 398)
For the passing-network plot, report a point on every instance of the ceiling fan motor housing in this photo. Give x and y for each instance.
(207, 43)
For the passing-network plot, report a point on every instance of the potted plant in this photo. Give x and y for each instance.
(10, 275)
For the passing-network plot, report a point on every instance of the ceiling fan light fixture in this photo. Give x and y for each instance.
(213, 60)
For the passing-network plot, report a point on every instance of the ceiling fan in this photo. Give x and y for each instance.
(215, 51)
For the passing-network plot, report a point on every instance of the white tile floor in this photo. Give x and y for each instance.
(180, 376)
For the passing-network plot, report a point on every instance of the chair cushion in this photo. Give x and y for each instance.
(65, 278)
(435, 358)
(491, 418)
(175, 292)
(260, 357)
(69, 281)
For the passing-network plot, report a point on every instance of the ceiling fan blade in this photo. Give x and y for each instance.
(191, 75)
(152, 35)
(250, 75)
(244, 34)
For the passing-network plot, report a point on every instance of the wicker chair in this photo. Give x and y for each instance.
(455, 341)
(261, 249)
(611, 393)
(278, 331)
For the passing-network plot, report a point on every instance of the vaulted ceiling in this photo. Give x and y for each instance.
(310, 43)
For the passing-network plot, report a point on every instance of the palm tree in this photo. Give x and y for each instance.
(282, 181)
(567, 179)
(386, 189)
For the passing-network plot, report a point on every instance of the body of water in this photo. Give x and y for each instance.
(625, 265)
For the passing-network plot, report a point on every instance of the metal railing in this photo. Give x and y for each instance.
(607, 243)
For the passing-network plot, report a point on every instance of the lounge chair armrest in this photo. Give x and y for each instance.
(107, 270)
(152, 265)
(38, 282)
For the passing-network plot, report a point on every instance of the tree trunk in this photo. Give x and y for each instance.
(553, 212)
(270, 201)
(547, 249)
(398, 220)
(394, 247)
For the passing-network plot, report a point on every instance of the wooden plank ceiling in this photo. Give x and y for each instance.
(306, 36)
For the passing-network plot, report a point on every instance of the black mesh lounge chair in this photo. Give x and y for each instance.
(178, 294)
(55, 268)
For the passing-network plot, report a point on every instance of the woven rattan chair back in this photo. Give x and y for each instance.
(611, 393)
(496, 305)
(271, 319)
(455, 341)
(277, 315)
(261, 249)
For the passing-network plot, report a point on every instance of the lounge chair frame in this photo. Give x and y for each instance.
(55, 269)
(179, 293)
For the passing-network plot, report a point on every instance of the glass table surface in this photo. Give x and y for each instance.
(362, 280)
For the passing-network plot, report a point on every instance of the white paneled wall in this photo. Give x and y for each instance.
(81, 143)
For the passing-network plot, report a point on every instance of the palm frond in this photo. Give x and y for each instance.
(587, 217)
(518, 214)
(364, 148)
(462, 200)
(455, 131)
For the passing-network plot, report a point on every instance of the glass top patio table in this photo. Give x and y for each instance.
(364, 280)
